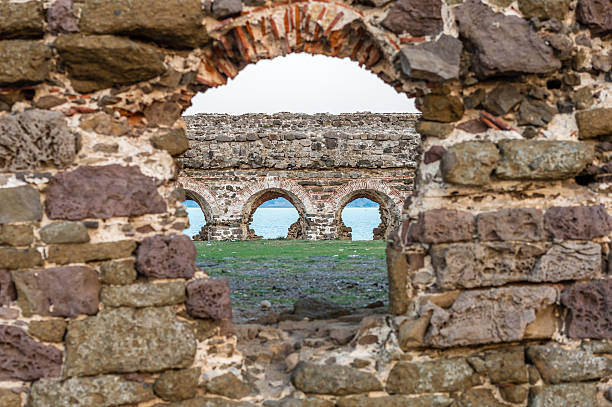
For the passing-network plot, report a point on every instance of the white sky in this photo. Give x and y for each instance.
(303, 83)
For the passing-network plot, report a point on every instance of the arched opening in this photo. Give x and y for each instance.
(199, 215)
(363, 208)
(273, 214)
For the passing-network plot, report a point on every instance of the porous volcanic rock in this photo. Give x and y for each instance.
(95, 192)
(125, 340)
(443, 375)
(61, 291)
(170, 256)
(209, 298)
(417, 17)
(597, 14)
(526, 224)
(443, 226)
(20, 204)
(333, 379)
(7, 288)
(435, 61)
(595, 122)
(174, 385)
(502, 44)
(577, 222)
(23, 62)
(469, 163)
(22, 358)
(557, 365)
(589, 309)
(564, 395)
(21, 20)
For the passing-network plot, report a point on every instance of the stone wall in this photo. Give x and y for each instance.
(499, 276)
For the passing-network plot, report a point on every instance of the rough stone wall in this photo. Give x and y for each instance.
(499, 278)
(320, 163)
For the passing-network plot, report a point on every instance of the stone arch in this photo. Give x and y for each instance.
(206, 210)
(202, 196)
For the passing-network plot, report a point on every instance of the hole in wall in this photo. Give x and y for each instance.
(362, 217)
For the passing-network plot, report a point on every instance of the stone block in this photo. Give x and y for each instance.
(577, 222)
(443, 226)
(22, 358)
(398, 268)
(523, 224)
(204, 401)
(503, 44)
(102, 61)
(102, 192)
(174, 141)
(61, 291)
(544, 9)
(64, 232)
(419, 18)
(21, 20)
(228, 385)
(118, 272)
(16, 235)
(208, 298)
(434, 129)
(595, 122)
(564, 395)
(514, 393)
(170, 256)
(596, 14)
(441, 108)
(443, 375)
(557, 365)
(7, 288)
(126, 340)
(394, 401)
(589, 309)
(535, 113)
(469, 163)
(487, 316)
(8, 398)
(105, 124)
(86, 252)
(174, 385)
(20, 204)
(61, 17)
(101, 391)
(144, 294)
(569, 261)
(175, 23)
(333, 379)
(23, 62)
(540, 159)
(163, 113)
(435, 61)
(502, 99)
(479, 397)
(12, 258)
(307, 402)
(506, 365)
(48, 330)
(411, 332)
(226, 8)
(36, 139)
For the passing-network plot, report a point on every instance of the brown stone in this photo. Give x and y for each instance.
(64, 232)
(208, 298)
(228, 385)
(174, 141)
(577, 222)
(434, 154)
(557, 365)
(21, 20)
(61, 291)
(118, 272)
(564, 395)
(174, 385)
(86, 252)
(469, 163)
(170, 256)
(526, 224)
(434, 129)
(597, 14)
(411, 332)
(61, 17)
(20, 204)
(589, 309)
(95, 192)
(8, 398)
(16, 235)
(333, 379)
(440, 108)
(103, 123)
(22, 358)
(514, 393)
(308, 402)
(443, 375)
(479, 397)
(23, 62)
(144, 294)
(394, 401)
(163, 113)
(535, 113)
(444, 226)
(7, 288)
(397, 273)
(12, 258)
(594, 123)
(544, 9)
(419, 18)
(502, 366)
(49, 101)
(48, 330)
(203, 401)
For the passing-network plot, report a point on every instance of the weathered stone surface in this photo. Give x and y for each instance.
(8, 398)
(469, 163)
(175, 385)
(444, 226)
(48, 330)
(416, 17)
(535, 113)
(501, 366)
(208, 402)
(435, 61)
(98, 62)
(21, 20)
(589, 309)
(22, 358)
(557, 365)
(144, 294)
(24, 62)
(86, 252)
(64, 232)
(61, 291)
(228, 385)
(158, 341)
(434, 154)
(7, 288)
(397, 273)
(514, 393)
(502, 99)
(544, 9)
(564, 395)
(226, 8)
(597, 14)
(434, 129)
(538, 159)
(569, 261)
(333, 379)
(479, 397)
(394, 401)
(16, 235)
(105, 124)
(411, 332)
(118, 272)
(440, 108)
(503, 44)
(95, 192)
(442, 375)
(526, 224)
(170, 256)
(20, 204)
(174, 141)
(12, 258)
(208, 298)
(308, 402)
(577, 222)
(101, 391)
(61, 17)
(163, 113)
(177, 23)
(595, 122)
(487, 316)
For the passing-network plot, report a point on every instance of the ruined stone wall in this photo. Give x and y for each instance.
(499, 278)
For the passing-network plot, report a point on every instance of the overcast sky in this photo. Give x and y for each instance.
(302, 83)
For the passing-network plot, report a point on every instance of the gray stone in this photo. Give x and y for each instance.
(557, 365)
(539, 159)
(435, 61)
(175, 385)
(21, 20)
(20, 204)
(544, 9)
(394, 401)
(523, 224)
(64, 232)
(506, 365)
(203, 401)
(226, 8)
(535, 113)
(564, 395)
(443, 375)
(228, 385)
(417, 17)
(16, 235)
(118, 272)
(7, 288)
(292, 402)
(503, 44)
(23, 62)
(479, 397)
(158, 341)
(101, 391)
(86, 252)
(569, 261)
(144, 294)
(595, 122)
(469, 163)
(333, 379)
(502, 99)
